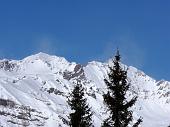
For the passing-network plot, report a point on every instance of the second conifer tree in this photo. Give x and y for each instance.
(81, 115)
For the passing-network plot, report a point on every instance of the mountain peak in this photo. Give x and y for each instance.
(42, 54)
(45, 57)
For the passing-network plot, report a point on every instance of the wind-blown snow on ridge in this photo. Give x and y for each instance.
(34, 92)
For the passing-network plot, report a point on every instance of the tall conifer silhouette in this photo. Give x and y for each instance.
(117, 104)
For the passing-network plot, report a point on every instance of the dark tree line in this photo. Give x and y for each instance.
(115, 100)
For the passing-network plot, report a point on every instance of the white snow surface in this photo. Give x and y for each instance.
(37, 89)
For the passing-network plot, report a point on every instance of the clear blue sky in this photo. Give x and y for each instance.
(85, 30)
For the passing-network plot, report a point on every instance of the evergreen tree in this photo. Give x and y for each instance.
(120, 115)
(82, 115)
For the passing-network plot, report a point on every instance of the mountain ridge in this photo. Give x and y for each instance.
(34, 92)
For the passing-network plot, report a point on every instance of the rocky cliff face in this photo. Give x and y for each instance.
(34, 92)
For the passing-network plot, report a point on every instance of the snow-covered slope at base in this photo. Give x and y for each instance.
(34, 92)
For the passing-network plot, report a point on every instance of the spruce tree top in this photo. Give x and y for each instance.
(117, 56)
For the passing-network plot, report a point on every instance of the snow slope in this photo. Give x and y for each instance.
(34, 92)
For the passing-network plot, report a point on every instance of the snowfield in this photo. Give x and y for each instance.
(34, 92)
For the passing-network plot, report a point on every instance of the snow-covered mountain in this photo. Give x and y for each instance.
(34, 92)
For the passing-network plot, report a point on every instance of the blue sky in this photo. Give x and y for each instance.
(85, 30)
